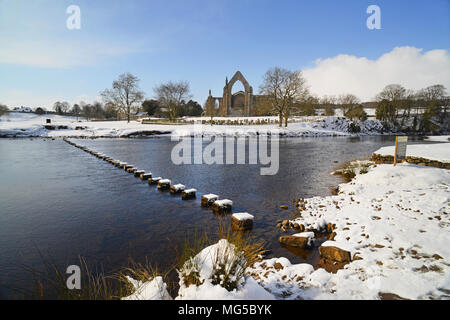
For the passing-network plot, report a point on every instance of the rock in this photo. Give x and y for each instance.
(188, 194)
(278, 266)
(146, 176)
(208, 199)
(154, 180)
(390, 296)
(356, 257)
(222, 206)
(292, 241)
(285, 224)
(242, 221)
(177, 188)
(164, 184)
(335, 254)
(331, 266)
(284, 207)
(138, 173)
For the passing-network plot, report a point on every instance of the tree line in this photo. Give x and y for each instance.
(423, 110)
(125, 99)
(285, 93)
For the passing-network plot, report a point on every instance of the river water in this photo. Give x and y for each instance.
(60, 202)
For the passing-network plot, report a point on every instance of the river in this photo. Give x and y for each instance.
(60, 202)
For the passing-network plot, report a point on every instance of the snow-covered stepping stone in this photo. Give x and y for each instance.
(164, 184)
(242, 221)
(208, 199)
(222, 206)
(154, 180)
(138, 173)
(177, 188)
(188, 194)
(146, 176)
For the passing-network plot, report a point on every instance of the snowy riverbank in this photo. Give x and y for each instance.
(31, 125)
(393, 222)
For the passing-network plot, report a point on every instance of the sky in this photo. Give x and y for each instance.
(204, 41)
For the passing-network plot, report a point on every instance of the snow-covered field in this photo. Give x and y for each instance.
(438, 138)
(25, 124)
(394, 222)
(439, 152)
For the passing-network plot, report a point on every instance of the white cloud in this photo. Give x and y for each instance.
(60, 54)
(409, 66)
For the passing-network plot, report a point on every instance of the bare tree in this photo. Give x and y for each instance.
(86, 109)
(76, 109)
(435, 92)
(347, 102)
(283, 87)
(125, 94)
(392, 92)
(170, 95)
(3, 109)
(328, 103)
(434, 98)
(61, 107)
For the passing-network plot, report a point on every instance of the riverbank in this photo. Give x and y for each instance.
(390, 241)
(393, 225)
(31, 125)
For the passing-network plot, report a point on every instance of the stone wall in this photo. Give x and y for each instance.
(387, 159)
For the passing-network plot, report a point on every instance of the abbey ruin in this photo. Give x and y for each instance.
(240, 103)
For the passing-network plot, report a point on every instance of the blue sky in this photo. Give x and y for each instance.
(203, 41)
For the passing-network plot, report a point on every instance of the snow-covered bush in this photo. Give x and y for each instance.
(220, 264)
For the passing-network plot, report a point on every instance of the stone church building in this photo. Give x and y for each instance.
(241, 103)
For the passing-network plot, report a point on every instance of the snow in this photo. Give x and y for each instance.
(439, 151)
(304, 235)
(341, 245)
(308, 235)
(243, 216)
(204, 264)
(190, 190)
(206, 261)
(178, 187)
(438, 138)
(165, 181)
(223, 203)
(396, 219)
(28, 124)
(155, 289)
(211, 196)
